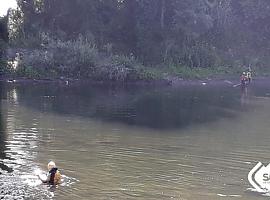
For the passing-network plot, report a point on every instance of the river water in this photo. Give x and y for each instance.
(189, 142)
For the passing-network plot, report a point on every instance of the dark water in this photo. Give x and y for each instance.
(158, 108)
(188, 142)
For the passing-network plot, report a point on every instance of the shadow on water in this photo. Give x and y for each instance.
(3, 135)
(152, 107)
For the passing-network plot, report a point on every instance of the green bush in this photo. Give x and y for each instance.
(77, 59)
(29, 72)
(118, 68)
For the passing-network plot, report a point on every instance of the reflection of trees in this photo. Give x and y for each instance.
(161, 109)
(2, 135)
(2, 129)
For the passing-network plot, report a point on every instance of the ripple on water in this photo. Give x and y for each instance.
(13, 187)
(17, 179)
(28, 186)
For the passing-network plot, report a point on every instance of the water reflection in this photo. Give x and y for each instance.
(134, 143)
(18, 143)
(159, 108)
(3, 155)
(2, 143)
(244, 96)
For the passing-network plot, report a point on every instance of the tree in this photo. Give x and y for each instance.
(3, 36)
(195, 33)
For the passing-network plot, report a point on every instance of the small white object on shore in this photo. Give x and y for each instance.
(11, 81)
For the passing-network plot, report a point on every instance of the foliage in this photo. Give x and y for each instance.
(109, 39)
(76, 58)
(3, 41)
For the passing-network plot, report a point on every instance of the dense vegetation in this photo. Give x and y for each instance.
(139, 39)
(3, 41)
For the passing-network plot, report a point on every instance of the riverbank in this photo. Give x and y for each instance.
(86, 65)
(155, 76)
(139, 75)
(81, 59)
(171, 81)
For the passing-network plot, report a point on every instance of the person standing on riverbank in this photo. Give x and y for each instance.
(249, 75)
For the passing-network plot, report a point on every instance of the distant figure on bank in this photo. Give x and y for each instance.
(243, 80)
(249, 75)
(53, 176)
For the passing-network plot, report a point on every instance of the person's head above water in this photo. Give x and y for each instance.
(51, 165)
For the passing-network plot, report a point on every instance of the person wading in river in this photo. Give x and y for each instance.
(243, 80)
(53, 176)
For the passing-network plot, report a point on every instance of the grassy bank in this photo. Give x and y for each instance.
(124, 69)
(169, 71)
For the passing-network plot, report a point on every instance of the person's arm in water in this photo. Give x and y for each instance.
(44, 178)
(48, 178)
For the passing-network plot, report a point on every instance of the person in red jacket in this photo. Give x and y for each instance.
(243, 80)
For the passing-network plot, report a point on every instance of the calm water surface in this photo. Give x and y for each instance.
(189, 142)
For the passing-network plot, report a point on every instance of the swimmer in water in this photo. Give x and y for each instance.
(53, 176)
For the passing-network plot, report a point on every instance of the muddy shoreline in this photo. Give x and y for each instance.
(169, 81)
(173, 82)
